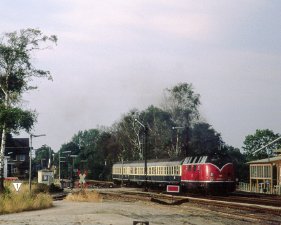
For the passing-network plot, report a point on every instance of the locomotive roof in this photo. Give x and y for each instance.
(195, 160)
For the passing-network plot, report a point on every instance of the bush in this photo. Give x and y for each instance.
(55, 188)
(44, 188)
(40, 188)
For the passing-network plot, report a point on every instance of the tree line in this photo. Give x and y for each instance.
(175, 130)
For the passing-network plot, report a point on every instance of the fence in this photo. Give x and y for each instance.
(261, 189)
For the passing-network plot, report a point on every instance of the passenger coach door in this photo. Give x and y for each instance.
(279, 174)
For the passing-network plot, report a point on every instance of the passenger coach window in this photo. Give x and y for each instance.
(177, 170)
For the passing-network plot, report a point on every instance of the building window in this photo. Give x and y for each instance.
(21, 157)
(45, 178)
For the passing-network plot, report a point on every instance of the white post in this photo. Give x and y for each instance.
(30, 157)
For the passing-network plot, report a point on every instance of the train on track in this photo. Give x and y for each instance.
(200, 174)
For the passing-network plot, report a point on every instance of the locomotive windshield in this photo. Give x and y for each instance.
(219, 160)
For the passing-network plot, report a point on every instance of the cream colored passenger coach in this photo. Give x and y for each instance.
(156, 171)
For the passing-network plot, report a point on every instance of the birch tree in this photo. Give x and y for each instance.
(16, 73)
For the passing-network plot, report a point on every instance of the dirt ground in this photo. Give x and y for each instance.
(119, 213)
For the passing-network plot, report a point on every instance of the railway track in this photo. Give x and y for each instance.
(255, 211)
(250, 200)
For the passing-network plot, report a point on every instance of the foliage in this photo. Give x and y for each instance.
(16, 51)
(239, 161)
(16, 118)
(159, 125)
(130, 134)
(127, 133)
(44, 188)
(257, 140)
(40, 188)
(42, 156)
(204, 140)
(182, 103)
(89, 146)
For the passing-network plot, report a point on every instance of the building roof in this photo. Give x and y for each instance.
(17, 145)
(266, 160)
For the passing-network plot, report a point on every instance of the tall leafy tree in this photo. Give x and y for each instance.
(130, 134)
(129, 137)
(63, 158)
(108, 150)
(87, 148)
(16, 73)
(182, 103)
(160, 133)
(239, 161)
(44, 156)
(257, 140)
(204, 140)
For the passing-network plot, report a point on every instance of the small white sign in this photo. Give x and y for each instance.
(82, 178)
(17, 185)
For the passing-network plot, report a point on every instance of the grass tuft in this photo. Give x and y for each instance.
(84, 196)
(14, 202)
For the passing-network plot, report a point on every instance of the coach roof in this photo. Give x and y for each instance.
(156, 162)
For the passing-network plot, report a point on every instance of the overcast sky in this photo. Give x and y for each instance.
(116, 55)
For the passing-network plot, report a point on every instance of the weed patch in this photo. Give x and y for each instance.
(84, 196)
(14, 202)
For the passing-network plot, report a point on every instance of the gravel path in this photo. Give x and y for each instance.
(117, 213)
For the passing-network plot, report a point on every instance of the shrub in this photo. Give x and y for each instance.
(40, 188)
(55, 188)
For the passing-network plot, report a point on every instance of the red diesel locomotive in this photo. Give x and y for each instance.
(201, 173)
(207, 174)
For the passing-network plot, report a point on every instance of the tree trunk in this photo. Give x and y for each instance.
(2, 153)
(3, 146)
